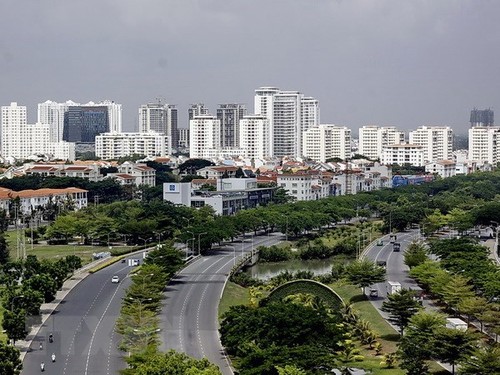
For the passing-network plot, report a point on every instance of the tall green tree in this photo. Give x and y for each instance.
(415, 255)
(169, 363)
(401, 306)
(456, 290)
(14, 324)
(452, 345)
(483, 361)
(4, 250)
(363, 273)
(10, 362)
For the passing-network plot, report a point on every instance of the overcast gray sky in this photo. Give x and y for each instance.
(387, 62)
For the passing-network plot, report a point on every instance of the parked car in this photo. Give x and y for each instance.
(373, 292)
(115, 279)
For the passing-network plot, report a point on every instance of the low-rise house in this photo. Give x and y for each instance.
(443, 168)
(31, 200)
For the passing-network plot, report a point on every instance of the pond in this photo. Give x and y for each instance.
(264, 271)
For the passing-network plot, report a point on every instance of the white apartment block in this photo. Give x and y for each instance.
(254, 136)
(372, 139)
(483, 144)
(443, 168)
(437, 142)
(289, 113)
(183, 137)
(50, 112)
(158, 117)
(325, 141)
(204, 137)
(403, 154)
(297, 185)
(21, 140)
(111, 145)
(309, 113)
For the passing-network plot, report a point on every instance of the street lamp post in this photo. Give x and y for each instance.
(496, 238)
(234, 254)
(199, 239)
(13, 300)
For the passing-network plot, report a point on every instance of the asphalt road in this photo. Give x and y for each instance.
(396, 270)
(83, 327)
(189, 319)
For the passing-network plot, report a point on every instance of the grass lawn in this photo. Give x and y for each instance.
(43, 251)
(3, 336)
(233, 295)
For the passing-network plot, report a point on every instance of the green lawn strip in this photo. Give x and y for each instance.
(3, 336)
(372, 363)
(388, 337)
(233, 295)
(43, 251)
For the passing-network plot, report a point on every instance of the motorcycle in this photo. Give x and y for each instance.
(53, 357)
(42, 367)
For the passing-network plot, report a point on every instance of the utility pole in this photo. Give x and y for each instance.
(20, 240)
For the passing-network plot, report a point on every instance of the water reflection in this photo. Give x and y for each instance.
(264, 271)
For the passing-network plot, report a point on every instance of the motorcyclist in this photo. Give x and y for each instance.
(42, 366)
(53, 356)
(51, 338)
(41, 345)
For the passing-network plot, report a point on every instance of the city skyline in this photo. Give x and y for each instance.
(389, 63)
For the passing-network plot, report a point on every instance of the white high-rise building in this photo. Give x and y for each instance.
(484, 144)
(289, 114)
(13, 118)
(309, 113)
(326, 141)
(160, 118)
(114, 115)
(254, 136)
(372, 139)
(183, 136)
(403, 154)
(116, 145)
(437, 142)
(230, 116)
(21, 140)
(204, 136)
(50, 112)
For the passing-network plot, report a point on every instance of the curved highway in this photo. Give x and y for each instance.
(189, 319)
(83, 325)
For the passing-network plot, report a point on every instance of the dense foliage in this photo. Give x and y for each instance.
(280, 334)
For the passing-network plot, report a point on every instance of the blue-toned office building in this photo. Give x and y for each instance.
(83, 123)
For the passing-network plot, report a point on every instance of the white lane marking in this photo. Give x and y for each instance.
(198, 314)
(184, 305)
(78, 328)
(95, 330)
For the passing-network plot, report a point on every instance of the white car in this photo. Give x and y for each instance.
(115, 279)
